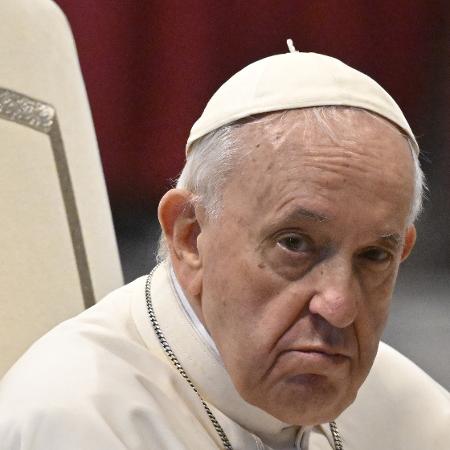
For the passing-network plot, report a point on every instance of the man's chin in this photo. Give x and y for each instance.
(306, 400)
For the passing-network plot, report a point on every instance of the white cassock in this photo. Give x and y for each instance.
(101, 381)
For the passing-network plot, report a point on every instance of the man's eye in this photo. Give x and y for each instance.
(377, 255)
(295, 243)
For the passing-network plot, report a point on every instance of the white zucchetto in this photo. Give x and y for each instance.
(295, 80)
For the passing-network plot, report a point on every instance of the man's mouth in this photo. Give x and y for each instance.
(314, 359)
(321, 349)
(319, 356)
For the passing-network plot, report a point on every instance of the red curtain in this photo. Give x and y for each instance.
(150, 67)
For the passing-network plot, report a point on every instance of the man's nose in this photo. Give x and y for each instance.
(337, 293)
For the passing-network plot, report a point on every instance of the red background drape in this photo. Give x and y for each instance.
(150, 66)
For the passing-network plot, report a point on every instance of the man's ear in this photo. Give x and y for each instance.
(410, 240)
(181, 226)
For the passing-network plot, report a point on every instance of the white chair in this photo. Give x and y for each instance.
(58, 253)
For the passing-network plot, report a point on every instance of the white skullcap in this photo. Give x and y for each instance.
(295, 80)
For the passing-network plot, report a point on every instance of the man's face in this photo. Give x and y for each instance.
(298, 270)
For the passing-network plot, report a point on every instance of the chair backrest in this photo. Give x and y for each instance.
(58, 253)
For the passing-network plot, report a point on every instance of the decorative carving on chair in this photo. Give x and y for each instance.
(42, 117)
(26, 111)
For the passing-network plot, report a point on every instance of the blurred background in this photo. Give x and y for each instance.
(151, 66)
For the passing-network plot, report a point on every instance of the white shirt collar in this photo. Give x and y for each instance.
(198, 326)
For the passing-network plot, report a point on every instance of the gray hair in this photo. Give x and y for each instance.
(213, 157)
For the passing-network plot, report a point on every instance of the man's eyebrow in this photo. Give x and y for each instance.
(393, 239)
(303, 213)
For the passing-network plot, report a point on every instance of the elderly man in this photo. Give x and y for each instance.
(260, 329)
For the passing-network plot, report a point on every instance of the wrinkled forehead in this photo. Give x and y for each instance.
(335, 148)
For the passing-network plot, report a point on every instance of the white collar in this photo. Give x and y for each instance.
(198, 326)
